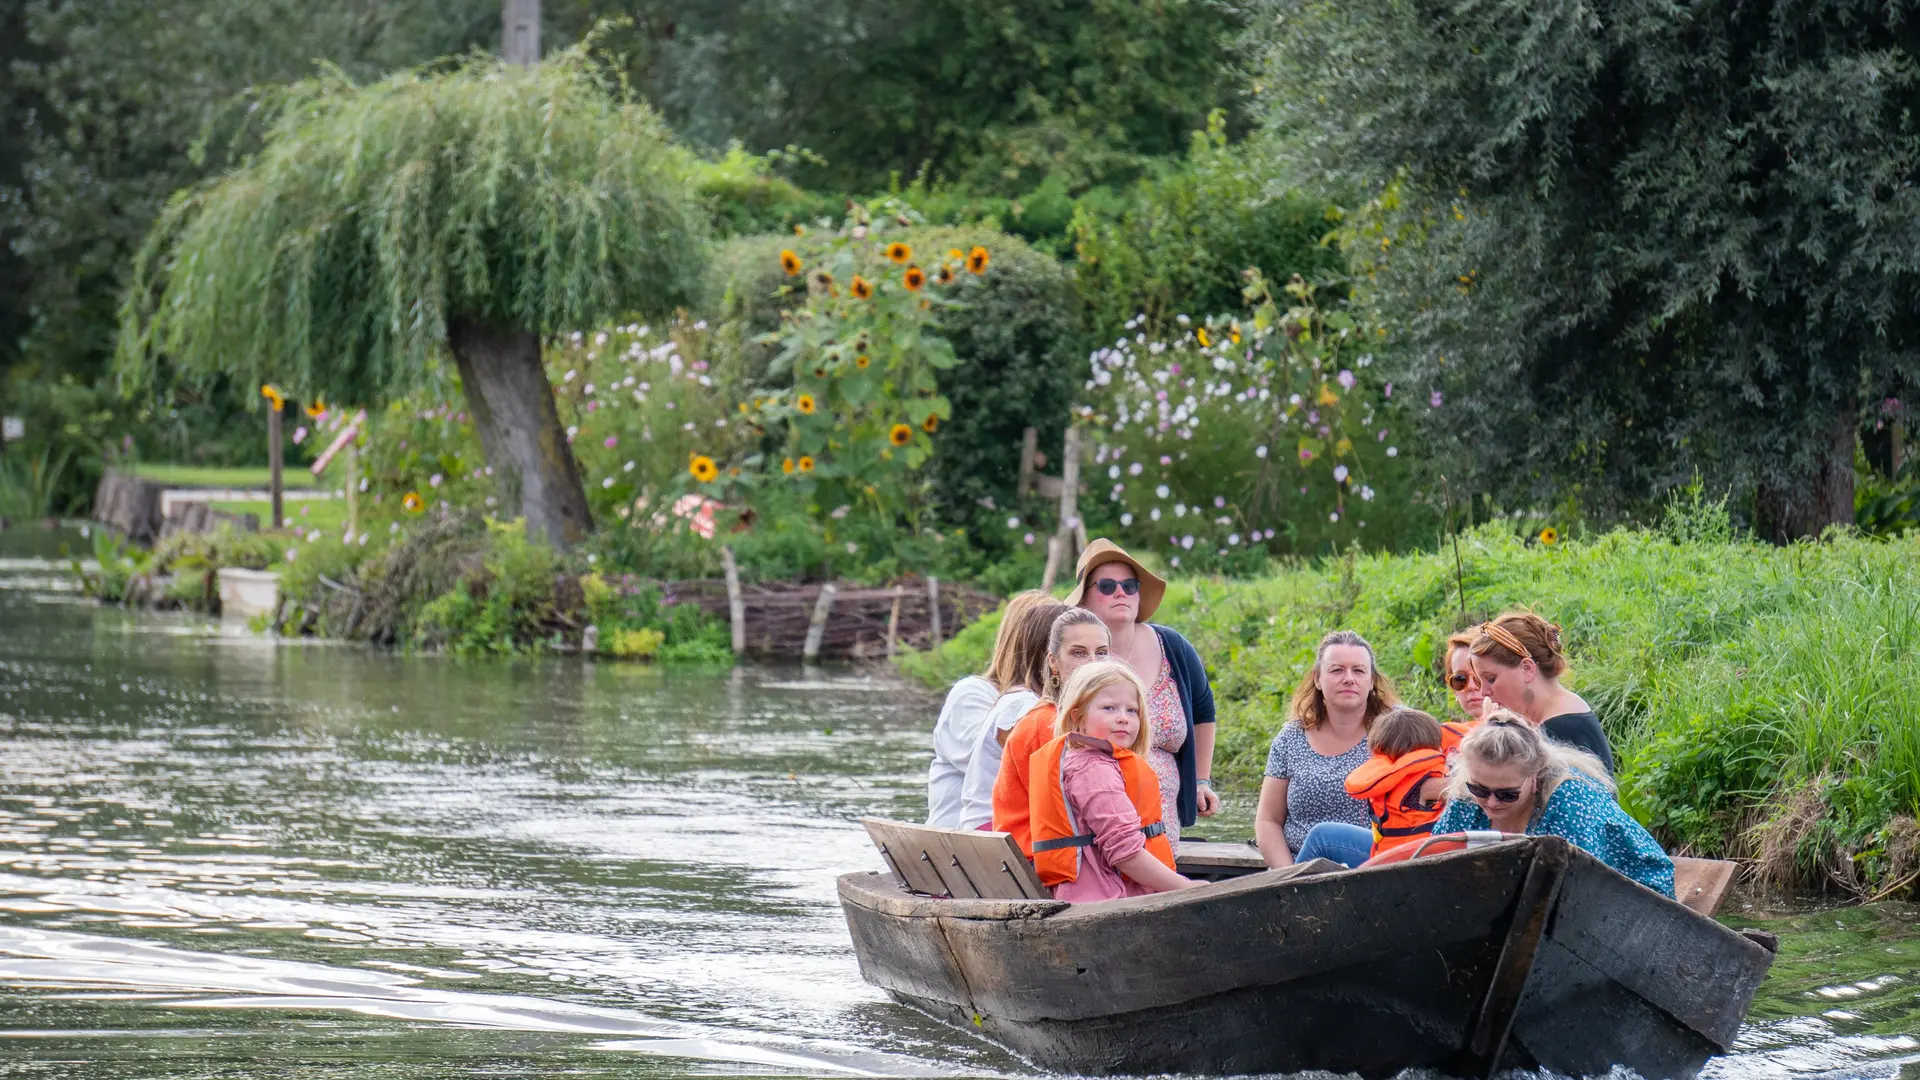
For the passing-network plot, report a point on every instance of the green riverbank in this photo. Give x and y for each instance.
(1760, 698)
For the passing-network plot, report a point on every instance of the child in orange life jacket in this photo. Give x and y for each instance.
(1401, 783)
(1094, 801)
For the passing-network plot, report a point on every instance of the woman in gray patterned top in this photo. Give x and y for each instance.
(1334, 706)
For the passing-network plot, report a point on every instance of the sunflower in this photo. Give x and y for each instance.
(805, 464)
(977, 260)
(1549, 536)
(702, 468)
(944, 275)
(1206, 339)
(930, 424)
(823, 279)
(900, 435)
(956, 254)
(790, 262)
(317, 409)
(914, 278)
(1233, 333)
(804, 403)
(1327, 396)
(862, 361)
(799, 230)
(899, 252)
(272, 394)
(862, 288)
(413, 502)
(786, 466)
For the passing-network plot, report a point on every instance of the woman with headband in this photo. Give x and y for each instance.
(1518, 662)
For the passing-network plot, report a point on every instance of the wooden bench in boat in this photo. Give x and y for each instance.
(970, 864)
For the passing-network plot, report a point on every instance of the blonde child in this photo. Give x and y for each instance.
(1094, 801)
(1078, 638)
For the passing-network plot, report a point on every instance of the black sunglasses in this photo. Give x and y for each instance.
(1499, 795)
(1107, 585)
(1458, 680)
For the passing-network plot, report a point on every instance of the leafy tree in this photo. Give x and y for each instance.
(1658, 237)
(466, 211)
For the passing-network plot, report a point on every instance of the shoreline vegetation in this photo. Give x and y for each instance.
(1757, 696)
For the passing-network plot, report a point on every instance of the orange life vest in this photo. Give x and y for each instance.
(1057, 838)
(1452, 732)
(1011, 804)
(1389, 787)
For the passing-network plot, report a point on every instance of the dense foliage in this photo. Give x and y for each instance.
(1657, 237)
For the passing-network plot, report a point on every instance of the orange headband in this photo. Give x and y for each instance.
(1505, 640)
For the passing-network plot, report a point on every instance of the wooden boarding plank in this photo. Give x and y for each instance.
(1220, 859)
(960, 863)
(1701, 884)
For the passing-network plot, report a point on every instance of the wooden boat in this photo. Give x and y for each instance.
(1518, 954)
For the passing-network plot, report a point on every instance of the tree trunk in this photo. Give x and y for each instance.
(512, 406)
(1805, 501)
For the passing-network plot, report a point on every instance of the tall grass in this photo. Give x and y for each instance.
(1762, 700)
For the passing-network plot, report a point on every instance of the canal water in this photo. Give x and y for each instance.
(223, 856)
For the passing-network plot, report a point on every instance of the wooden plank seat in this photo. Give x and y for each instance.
(965, 864)
(1700, 884)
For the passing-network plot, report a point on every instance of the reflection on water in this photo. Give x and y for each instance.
(224, 856)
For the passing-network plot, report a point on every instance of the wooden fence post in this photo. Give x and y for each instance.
(817, 629)
(275, 462)
(893, 623)
(736, 604)
(1053, 563)
(353, 488)
(1029, 446)
(933, 613)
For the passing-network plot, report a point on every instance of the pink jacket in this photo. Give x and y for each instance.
(1098, 797)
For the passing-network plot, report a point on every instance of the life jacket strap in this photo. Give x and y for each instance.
(1408, 830)
(1158, 828)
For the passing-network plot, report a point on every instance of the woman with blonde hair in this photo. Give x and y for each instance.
(1026, 680)
(957, 731)
(1510, 777)
(1325, 738)
(1518, 661)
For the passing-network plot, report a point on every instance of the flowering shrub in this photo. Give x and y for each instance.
(1231, 435)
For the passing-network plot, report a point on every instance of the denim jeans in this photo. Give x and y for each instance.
(1348, 845)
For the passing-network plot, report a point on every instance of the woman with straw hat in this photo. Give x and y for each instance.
(1116, 587)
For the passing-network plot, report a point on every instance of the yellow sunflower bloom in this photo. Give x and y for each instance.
(786, 466)
(805, 464)
(317, 409)
(790, 262)
(930, 424)
(862, 288)
(1206, 339)
(862, 361)
(900, 435)
(702, 468)
(956, 255)
(1549, 536)
(413, 502)
(804, 403)
(977, 260)
(899, 252)
(1327, 396)
(914, 278)
(944, 275)
(273, 396)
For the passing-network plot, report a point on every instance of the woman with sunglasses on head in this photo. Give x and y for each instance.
(1518, 662)
(1305, 811)
(1114, 586)
(1508, 776)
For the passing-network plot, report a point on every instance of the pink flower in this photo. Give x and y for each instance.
(434, 480)
(612, 441)
(1389, 392)
(299, 434)
(1345, 379)
(1435, 400)
(1305, 455)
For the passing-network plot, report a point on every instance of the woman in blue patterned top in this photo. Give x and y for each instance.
(1507, 776)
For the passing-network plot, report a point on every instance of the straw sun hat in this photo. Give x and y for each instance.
(1104, 551)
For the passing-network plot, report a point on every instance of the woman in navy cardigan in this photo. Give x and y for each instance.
(1113, 585)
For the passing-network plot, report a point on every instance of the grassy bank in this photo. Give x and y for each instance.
(1762, 699)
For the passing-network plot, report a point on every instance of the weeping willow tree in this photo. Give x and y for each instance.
(463, 212)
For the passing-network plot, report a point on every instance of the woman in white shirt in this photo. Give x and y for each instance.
(1020, 691)
(964, 716)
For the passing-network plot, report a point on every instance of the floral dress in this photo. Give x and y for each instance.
(1166, 736)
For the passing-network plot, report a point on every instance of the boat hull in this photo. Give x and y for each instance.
(1508, 956)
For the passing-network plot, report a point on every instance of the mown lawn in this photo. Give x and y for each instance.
(1764, 701)
(208, 476)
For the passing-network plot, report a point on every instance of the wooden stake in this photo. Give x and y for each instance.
(1070, 493)
(1029, 446)
(353, 488)
(275, 462)
(817, 629)
(933, 612)
(893, 623)
(1053, 562)
(1899, 443)
(737, 605)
